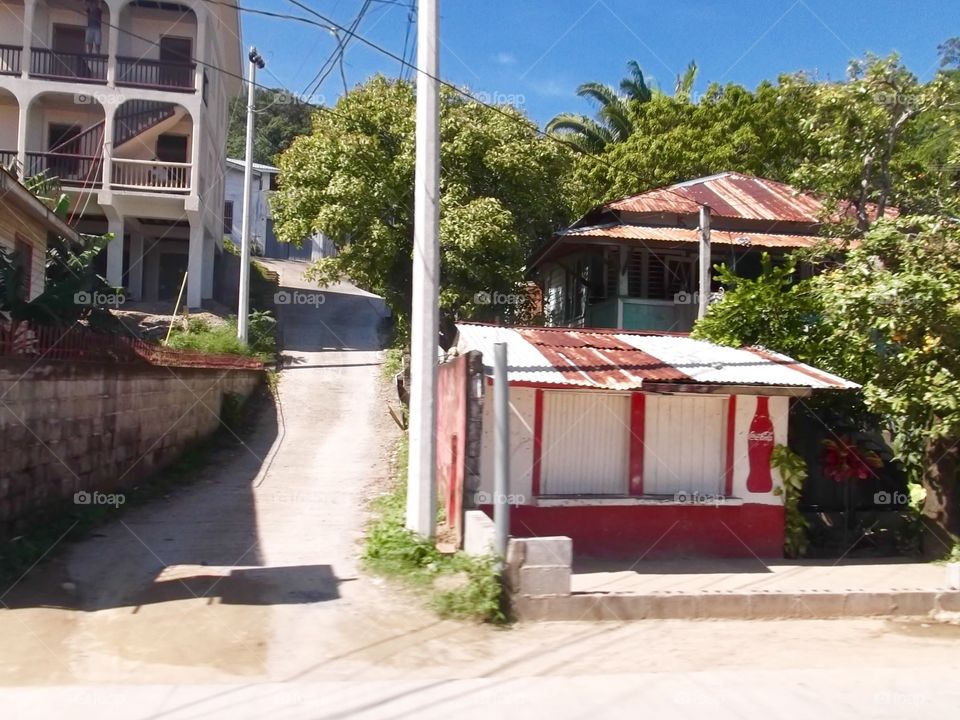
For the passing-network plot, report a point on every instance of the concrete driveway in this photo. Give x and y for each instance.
(239, 596)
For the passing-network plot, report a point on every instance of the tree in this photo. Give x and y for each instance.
(281, 117)
(352, 179)
(613, 123)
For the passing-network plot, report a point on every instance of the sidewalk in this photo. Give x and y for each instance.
(746, 589)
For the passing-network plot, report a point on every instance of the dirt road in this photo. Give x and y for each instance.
(240, 597)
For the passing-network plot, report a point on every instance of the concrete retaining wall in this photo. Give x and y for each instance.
(67, 427)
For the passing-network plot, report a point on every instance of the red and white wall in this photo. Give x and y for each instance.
(632, 473)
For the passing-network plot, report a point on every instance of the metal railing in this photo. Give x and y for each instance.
(161, 74)
(70, 169)
(76, 343)
(82, 67)
(10, 59)
(150, 175)
(8, 158)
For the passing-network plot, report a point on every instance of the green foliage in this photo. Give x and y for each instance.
(280, 119)
(70, 275)
(352, 179)
(775, 310)
(201, 336)
(394, 551)
(793, 473)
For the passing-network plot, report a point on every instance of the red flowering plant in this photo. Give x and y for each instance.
(844, 461)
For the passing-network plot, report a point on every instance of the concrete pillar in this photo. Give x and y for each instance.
(23, 131)
(115, 250)
(195, 262)
(109, 111)
(135, 271)
(151, 270)
(26, 57)
(209, 253)
(200, 51)
(113, 38)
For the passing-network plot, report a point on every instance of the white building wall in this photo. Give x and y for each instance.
(522, 405)
(779, 411)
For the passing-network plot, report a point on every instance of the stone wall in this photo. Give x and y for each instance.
(72, 426)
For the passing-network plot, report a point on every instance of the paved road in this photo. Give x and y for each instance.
(240, 597)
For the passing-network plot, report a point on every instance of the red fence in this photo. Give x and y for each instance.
(76, 343)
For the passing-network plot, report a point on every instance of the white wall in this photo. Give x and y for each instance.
(260, 209)
(522, 401)
(779, 410)
(152, 25)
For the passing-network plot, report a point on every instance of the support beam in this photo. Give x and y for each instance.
(135, 271)
(209, 257)
(195, 262)
(704, 289)
(115, 250)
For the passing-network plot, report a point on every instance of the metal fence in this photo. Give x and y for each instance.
(37, 342)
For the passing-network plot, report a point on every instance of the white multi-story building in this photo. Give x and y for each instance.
(134, 127)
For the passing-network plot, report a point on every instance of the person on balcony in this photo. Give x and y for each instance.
(94, 21)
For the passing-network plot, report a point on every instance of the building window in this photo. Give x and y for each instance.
(228, 217)
(23, 259)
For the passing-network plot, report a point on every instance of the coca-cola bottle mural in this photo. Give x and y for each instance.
(759, 449)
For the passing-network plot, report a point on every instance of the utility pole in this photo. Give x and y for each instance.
(501, 450)
(703, 296)
(243, 304)
(424, 317)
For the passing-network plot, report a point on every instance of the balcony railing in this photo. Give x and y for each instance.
(10, 59)
(8, 158)
(160, 74)
(79, 67)
(150, 176)
(69, 169)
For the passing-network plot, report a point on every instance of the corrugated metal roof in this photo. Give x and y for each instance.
(731, 195)
(619, 360)
(652, 233)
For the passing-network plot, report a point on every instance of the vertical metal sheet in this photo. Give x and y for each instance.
(685, 445)
(586, 443)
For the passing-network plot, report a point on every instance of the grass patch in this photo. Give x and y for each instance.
(457, 585)
(392, 361)
(66, 521)
(201, 336)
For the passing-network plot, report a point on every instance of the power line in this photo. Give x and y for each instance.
(514, 117)
(336, 58)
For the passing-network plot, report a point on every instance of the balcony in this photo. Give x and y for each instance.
(71, 170)
(76, 67)
(158, 74)
(8, 158)
(10, 59)
(150, 176)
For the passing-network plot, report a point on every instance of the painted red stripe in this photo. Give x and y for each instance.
(637, 429)
(731, 441)
(537, 440)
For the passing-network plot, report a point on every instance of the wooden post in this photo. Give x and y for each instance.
(704, 289)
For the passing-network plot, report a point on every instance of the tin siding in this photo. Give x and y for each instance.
(685, 445)
(522, 404)
(586, 443)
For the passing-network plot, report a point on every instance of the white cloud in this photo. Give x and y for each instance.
(505, 58)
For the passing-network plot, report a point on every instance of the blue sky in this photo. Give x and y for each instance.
(535, 52)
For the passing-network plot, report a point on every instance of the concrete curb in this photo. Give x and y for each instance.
(725, 605)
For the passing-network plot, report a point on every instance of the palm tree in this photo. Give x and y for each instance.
(613, 123)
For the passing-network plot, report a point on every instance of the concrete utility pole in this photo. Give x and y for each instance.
(704, 294)
(424, 318)
(243, 304)
(501, 450)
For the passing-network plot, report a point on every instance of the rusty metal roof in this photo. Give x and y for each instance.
(623, 360)
(731, 195)
(653, 233)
